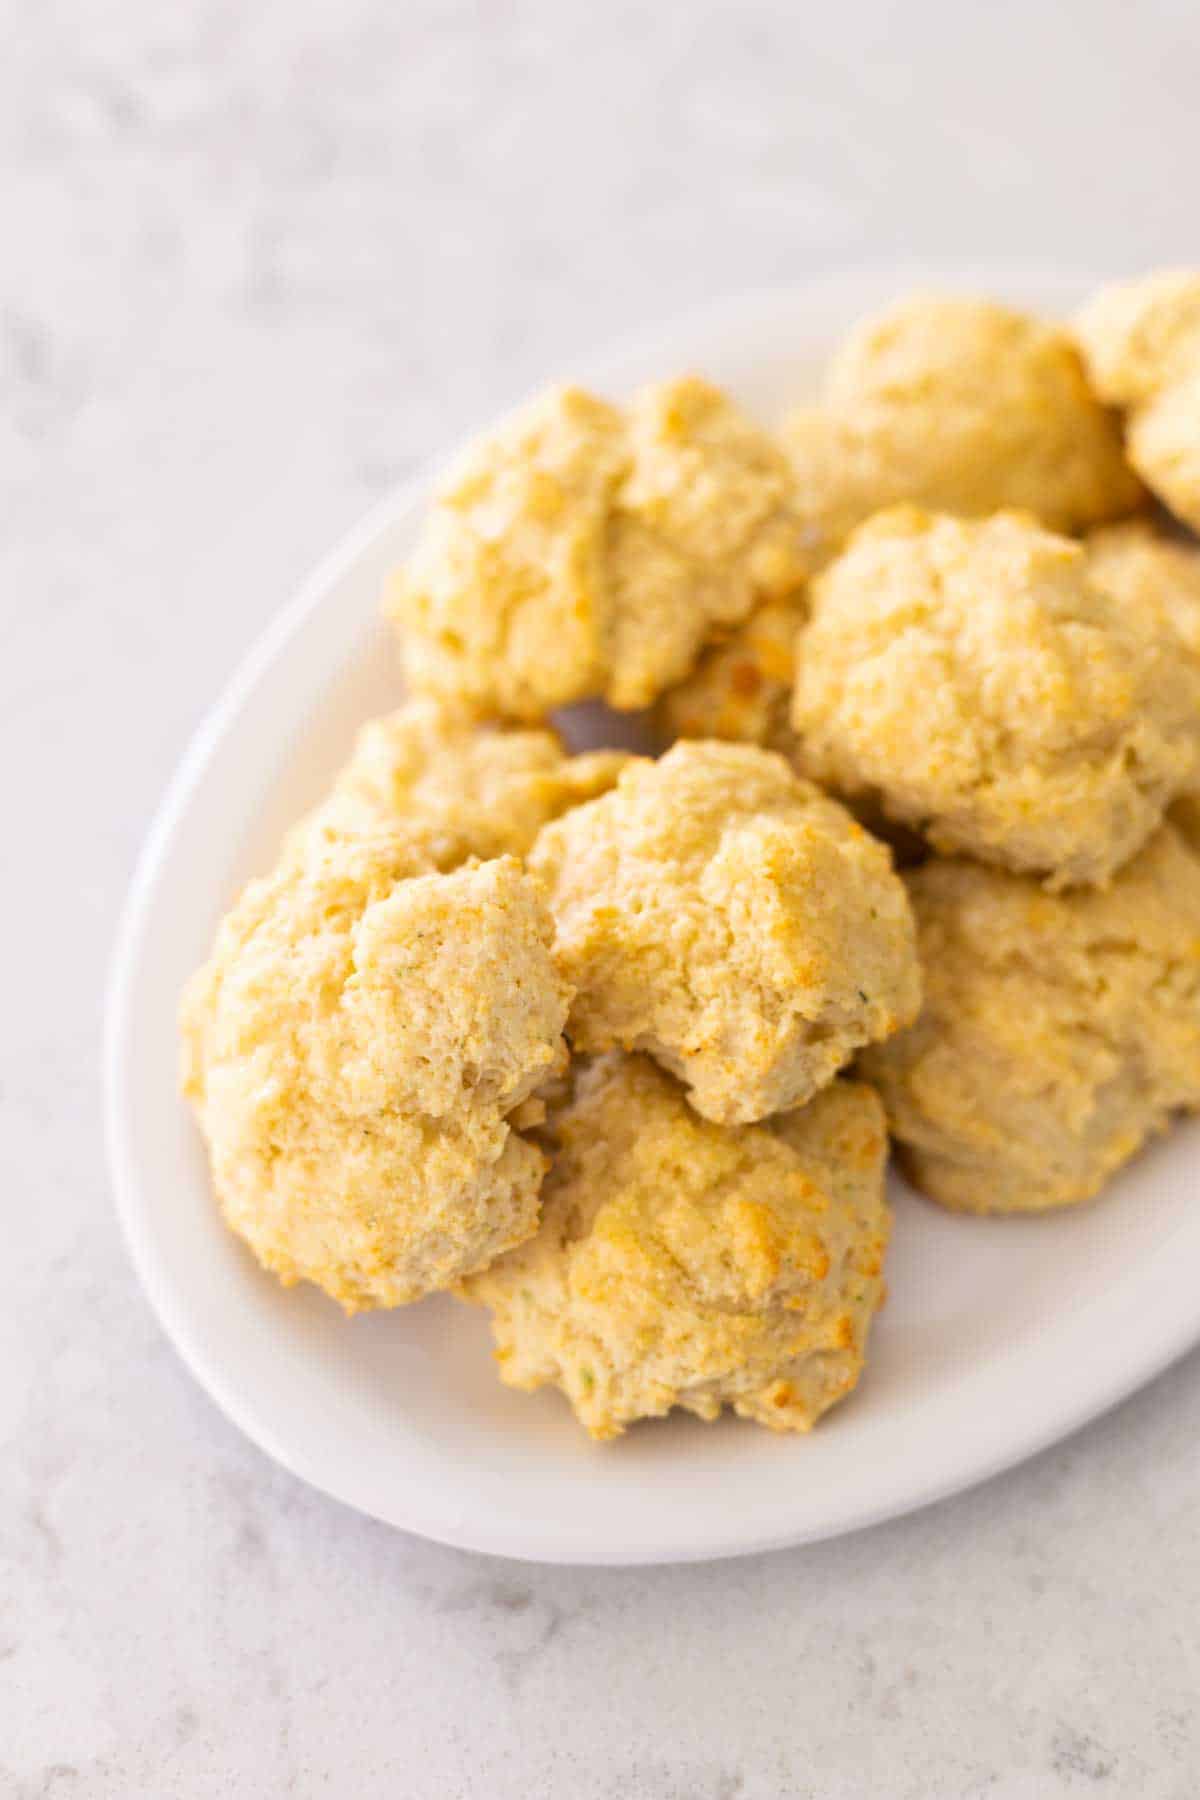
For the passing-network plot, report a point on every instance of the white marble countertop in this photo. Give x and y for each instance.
(258, 259)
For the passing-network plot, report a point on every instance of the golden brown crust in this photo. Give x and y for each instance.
(732, 921)
(679, 1264)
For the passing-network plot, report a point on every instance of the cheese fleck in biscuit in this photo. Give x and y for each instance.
(741, 689)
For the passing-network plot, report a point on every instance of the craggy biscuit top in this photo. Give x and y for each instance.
(962, 406)
(728, 918)
(679, 1264)
(504, 601)
(584, 550)
(1141, 342)
(974, 676)
(465, 786)
(1057, 1032)
(353, 1047)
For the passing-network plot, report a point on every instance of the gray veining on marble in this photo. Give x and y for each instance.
(258, 259)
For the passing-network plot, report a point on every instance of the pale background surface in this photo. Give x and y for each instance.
(258, 260)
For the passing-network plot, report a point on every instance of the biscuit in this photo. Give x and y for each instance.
(464, 786)
(729, 919)
(1141, 342)
(974, 677)
(1058, 1031)
(1153, 577)
(1139, 336)
(354, 1048)
(679, 1264)
(961, 406)
(974, 408)
(585, 551)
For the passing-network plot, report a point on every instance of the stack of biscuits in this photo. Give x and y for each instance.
(613, 1044)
